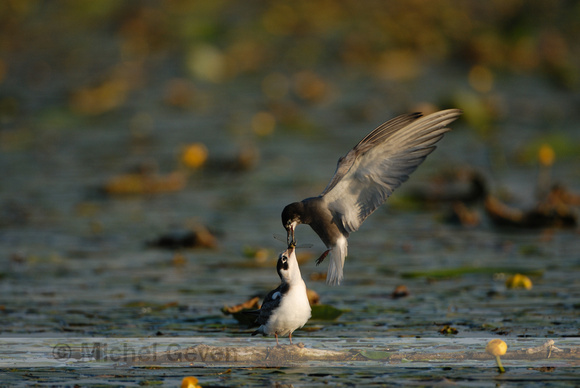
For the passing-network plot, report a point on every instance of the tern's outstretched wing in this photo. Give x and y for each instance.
(379, 163)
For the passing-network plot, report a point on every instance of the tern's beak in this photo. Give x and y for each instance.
(292, 244)
(290, 237)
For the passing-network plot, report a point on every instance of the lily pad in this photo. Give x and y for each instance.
(326, 312)
(375, 354)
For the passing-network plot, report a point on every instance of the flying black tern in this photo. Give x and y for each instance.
(364, 178)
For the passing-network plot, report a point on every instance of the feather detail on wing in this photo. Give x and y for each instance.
(378, 164)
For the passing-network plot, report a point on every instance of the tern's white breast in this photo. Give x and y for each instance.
(293, 313)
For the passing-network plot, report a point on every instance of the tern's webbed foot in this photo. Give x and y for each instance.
(322, 257)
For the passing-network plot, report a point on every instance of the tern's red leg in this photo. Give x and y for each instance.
(290, 338)
(322, 257)
(276, 335)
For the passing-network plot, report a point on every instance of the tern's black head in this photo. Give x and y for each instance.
(282, 266)
(291, 216)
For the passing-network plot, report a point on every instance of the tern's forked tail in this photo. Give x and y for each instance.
(337, 255)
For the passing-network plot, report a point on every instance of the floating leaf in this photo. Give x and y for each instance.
(251, 304)
(150, 382)
(375, 354)
(325, 312)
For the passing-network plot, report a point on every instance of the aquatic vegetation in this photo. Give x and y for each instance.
(519, 281)
(497, 348)
(456, 272)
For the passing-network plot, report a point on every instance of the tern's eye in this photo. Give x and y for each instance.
(284, 259)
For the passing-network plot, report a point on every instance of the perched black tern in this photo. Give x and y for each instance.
(285, 308)
(364, 178)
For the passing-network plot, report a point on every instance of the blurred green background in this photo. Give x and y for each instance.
(65, 63)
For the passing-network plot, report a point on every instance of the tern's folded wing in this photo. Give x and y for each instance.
(271, 303)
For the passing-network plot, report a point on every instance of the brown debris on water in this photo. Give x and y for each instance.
(463, 215)
(546, 214)
(463, 185)
(400, 291)
(198, 236)
(448, 330)
(313, 297)
(239, 311)
(250, 304)
(242, 312)
(567, 197)
(144, 179)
